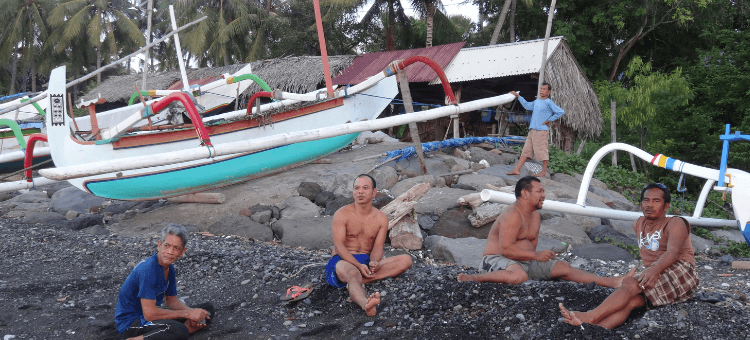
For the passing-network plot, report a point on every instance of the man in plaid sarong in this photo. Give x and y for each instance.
(666, 250)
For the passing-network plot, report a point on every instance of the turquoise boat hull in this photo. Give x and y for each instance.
(232, 170)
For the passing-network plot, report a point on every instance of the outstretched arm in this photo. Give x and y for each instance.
(153, 312)
(678, 233)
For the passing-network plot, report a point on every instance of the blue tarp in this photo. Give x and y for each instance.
(13, 96)
(407, 152)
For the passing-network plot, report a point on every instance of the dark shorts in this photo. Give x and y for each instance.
(331, 277)
(535, 270)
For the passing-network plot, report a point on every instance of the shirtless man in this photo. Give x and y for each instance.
(359, 232)
(670, 275)
(510, 254)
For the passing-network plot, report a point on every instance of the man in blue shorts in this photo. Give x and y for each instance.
(139, 314)
(359, 232)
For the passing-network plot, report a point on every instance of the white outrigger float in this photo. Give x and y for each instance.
(733, 181)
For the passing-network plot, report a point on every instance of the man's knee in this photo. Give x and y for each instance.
(349, 274)
(631, 284)
(404, 262)
(518, 277)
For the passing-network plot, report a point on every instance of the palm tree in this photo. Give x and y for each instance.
(23, 36)
(395, 12)
(427, 9)
(104, 23)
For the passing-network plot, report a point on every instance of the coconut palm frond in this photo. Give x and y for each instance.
(129, 28)
(94, 30)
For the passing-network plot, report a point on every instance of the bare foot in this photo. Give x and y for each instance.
(140, 337)
(514, 172)
(570, 317)
(372, 301)
(464, 277)
(541, 174)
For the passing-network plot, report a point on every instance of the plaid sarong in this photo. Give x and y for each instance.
(676, 284)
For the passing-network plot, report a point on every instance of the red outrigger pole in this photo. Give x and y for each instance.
(323, 51)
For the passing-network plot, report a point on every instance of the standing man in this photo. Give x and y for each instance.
(139, 314)
(510, 254)
(544, 110)
(666, 250)
(359, 232)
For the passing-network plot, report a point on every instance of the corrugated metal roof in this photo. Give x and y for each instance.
(498, 60)
(370, 64)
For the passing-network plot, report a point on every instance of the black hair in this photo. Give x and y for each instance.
(374, 185)
(525, 184)
(667, 196)
(549, 87)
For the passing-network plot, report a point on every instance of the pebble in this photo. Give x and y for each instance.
(293, 329)
(287, 323)
(708, 267)
(560, 298)
(245, 282)
(725, 284)
(521, 317)
(379, 329)
(369, 324)
(383, 293)
(255, 296)
(363, 332)
(457, 308)
(8, 336)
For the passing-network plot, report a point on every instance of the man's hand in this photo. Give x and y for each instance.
(193, 325)
(546, 122)
(197, 315)
(648, 278)
(374, 266)
(364, 270)
(545, 255)
(514, 93)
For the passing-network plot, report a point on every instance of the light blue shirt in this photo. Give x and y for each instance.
(541, 110)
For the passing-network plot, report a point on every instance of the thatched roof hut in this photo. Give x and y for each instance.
(292, 74)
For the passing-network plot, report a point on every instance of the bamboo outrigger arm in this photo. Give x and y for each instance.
(103, 167)
(226, 80)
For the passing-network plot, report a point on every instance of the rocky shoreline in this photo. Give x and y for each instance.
(66, 253)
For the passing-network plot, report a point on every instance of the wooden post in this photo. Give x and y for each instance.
(413, 130)
(580, 147)
(456, 122)
(632, 162)
(546, 42)
(323, 50)
(150, 10)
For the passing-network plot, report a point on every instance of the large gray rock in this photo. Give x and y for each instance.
(730, 235)
(84, 222)
(625, 227)
(463, 251)
(32, 196)
(478, 154)
(309, 190)
(311, 232)
(119, 207)
(401, 187)
(701, 245)
(479, 182)
(545, 243)
(602, 251)
(619, 201)
(43, 217)
(434, 166)
(385, 177)
(438, 200)
(448, 159)
(584, 222)
(567, 180)
(52, 188)
(333, 206)
(24, 209)
(455, 223)
(604, 232)
(565, 231)
(342, 185)
(501, 170)
(594, 182)
(241, 226)
(299, 207)
(72, 198)
(323, 198)
(262, 217)
(96, 230)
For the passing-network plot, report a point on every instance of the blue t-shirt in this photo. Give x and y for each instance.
(542, 110)
(146, 281)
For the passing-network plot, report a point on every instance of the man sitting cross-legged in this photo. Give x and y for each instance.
(666, 250)
(510, 254)
(359, 232)
(139, 314)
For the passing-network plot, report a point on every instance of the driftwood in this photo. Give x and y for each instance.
(741, 264)
(405, 203)
(201, 197)
(486, 213)
(509, 189)
(406, 233)
(474, 200)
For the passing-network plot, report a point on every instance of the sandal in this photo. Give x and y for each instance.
(296, 293)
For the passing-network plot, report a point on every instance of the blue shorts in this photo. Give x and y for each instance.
(331, 277)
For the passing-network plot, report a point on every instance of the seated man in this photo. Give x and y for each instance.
(666, 250)
(138, 314)
(359, 232)
(510, 254)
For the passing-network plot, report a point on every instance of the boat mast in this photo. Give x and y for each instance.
(185, 84)
(323, 51)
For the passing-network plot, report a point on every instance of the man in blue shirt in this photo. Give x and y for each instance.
(544, 110)
(139, 314)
